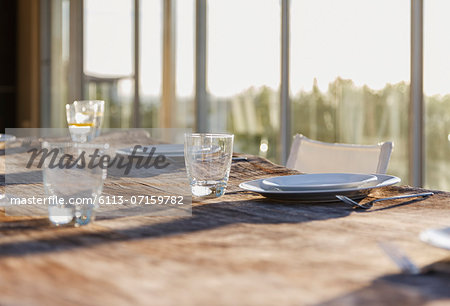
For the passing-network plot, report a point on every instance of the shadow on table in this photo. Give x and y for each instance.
(399, 289)
(205, 217)
(22, 178)
(24, 223)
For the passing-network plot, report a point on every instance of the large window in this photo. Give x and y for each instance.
(243, 72)
(217, 65)
(166, 65)
(151, 61)
(108, 58)
(185, 65)
(437, 93)
(350, 73)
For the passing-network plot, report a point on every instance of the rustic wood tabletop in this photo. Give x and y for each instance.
(239, 249)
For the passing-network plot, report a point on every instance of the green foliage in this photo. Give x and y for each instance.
(350, 114)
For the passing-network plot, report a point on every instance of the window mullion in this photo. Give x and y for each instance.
(416, 130)
(201, 101)
(136, 100)
(285, 111)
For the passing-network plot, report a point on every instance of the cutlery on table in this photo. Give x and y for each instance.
(368, 205)
(402, 261)
(406, 265)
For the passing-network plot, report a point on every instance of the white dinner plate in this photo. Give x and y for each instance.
(320, 195)
(169, 150)
(438, 237)
(318, 181)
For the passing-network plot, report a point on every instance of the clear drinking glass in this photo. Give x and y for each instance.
(208, 162)
(84, 119)
(73, 184)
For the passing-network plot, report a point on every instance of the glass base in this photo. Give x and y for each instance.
(60, 215)
(76, 216)
(208, 190)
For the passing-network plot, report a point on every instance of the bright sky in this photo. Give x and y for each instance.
(366, 41)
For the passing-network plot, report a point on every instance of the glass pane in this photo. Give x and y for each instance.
(243, 72)
(108, 57)
(437, 93)
(151, 19)
(59, 62)
(184, 79)
(349, 73)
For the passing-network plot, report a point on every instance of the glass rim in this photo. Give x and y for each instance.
(212, 135)
(85, 102)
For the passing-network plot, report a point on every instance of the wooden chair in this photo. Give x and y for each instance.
(312, 156)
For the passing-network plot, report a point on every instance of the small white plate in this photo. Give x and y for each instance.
(169, 150)
(438, 237)
(317, 181)
(4, 138)
(320, 195)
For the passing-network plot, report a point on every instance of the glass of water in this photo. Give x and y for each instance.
(84, 119)
(208, 162)
(72, 185)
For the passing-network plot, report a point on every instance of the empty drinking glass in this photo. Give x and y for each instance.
(84, 119)
(208, 162)
(72, 182)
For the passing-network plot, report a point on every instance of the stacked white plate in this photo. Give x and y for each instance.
(320, 187)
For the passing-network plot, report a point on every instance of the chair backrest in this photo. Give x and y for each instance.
(311, 156)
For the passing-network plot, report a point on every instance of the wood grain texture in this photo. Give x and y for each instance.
(240, 249)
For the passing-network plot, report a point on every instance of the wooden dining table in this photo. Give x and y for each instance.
(238, 249)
